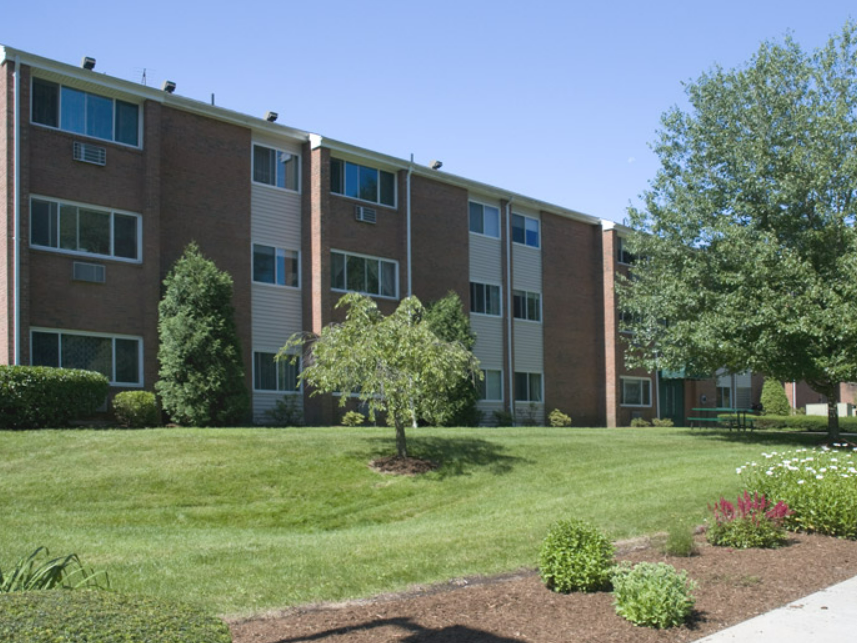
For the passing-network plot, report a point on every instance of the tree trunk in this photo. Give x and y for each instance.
(401, 444)
(833, 414)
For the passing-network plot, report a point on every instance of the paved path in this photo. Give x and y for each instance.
(828, 616)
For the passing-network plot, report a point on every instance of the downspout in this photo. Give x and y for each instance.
(794, 395)
(408, 225)
(17, 197)
(657, 394)
(511, 364)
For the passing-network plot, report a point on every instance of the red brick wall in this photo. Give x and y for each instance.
(573, 319)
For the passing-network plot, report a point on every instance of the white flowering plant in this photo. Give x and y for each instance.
(819, 486)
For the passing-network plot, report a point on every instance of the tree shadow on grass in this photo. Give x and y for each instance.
(456, 456)
(763, 438)
(418, 633)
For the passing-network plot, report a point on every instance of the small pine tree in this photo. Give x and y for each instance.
(201, 373)
(447, 319)
(774, 400)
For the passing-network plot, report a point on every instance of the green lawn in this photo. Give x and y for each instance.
(243, 520)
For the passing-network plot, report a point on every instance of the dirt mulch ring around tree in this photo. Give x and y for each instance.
(734, 585)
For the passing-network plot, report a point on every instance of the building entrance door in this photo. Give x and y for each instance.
(672, 400)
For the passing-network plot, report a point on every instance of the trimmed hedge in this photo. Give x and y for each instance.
(136, 409)
(33, 397)
(61, 616)
(803, 422)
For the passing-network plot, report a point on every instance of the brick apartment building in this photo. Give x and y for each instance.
(106, 181)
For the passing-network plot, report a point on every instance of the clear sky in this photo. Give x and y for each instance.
(556, 100)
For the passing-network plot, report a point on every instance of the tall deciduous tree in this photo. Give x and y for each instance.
(395, 364)
(201, 372)
(746, 244)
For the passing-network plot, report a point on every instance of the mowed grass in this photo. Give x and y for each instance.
(246, 520)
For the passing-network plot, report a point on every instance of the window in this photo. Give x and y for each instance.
(622, 253)
(485, 219)
(85, 230)
(525, 230)
(272, 375)
(361, 182)
(491, 386)
(73, 110)
(527, 305)
(369, 275)
(117, 358)
(484, 299)
(275, 167)
(275, 266)
(528, 387)
(636, 391)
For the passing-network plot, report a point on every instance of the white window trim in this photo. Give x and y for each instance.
(499, 315)
(275, 284)
(526, 245)
(526, 293)
(112, 140)
(378, 203)
(499, 236)
(485, 380)
(111, 336)
(620, 241)
(99, 208)
(368, 294)
(622, 380)
(265, 391)
(274, 186)
(542, 387)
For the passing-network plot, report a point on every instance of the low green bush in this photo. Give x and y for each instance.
(640, 422)
(353, 418)
(503, 418)
(286, 412)
(93, 616)
(576, 557)
(753, 521)
(662, 422)
(802, 422)
(679, 540)
(34, 397)
(559, 419)
(653, 594)
(136, 409)
(819, 486)
(37, 571)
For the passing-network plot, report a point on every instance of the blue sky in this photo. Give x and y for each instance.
(555, 100)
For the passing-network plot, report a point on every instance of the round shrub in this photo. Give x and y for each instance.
(575, 556)
(559, 419)
(61, 616)
(136, 409)
(353, 418)
(652, 594)
(34, 397)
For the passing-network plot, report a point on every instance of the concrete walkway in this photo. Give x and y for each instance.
(828, 616)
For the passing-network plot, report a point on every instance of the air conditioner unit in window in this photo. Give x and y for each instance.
(92, 272)
(89, 153)
(367, 215)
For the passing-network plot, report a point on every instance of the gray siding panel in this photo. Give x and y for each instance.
(489, 341)
(527, 268)
(529, 347)
(485, 260)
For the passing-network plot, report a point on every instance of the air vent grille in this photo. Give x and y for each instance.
(92, 272)
(89, 153)
(367, 215)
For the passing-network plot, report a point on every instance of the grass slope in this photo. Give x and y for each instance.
(244, 520)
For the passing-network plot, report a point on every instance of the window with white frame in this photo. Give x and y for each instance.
(491, 386)
(276, 167)
(276, 266)
(527, 305)
(367, 275)
(118, 358)
(525, 230)
(528, 387)
(636, 391)
(73, 110)
(362, 182)
(484, 219)
(270, 374)
(81, 229)
(485, 299)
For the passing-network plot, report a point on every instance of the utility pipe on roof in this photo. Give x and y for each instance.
(408, 225)
(511, 363)
(17, 206)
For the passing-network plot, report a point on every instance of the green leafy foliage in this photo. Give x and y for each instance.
(665, 422)
(802, 422)
(747, 245)
(38, 396)
(774, 400)
(394, 364)
(653, 594)
(575, 557)
(201, 374)
(819, 486)
(753, 521)
(353, 418)
(104, 617)
(446, 319)
(679, 541)
(38, 572)
(503, 418)
(286, 412)
(136, 409)
(640, 422)
(557, 419)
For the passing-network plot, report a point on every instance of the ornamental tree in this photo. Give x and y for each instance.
(395, 364)
(774, 399)
(747, 246)
(201, 373)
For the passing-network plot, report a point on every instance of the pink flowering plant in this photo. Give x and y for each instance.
(752, 521)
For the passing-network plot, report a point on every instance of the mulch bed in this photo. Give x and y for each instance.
(733, 586)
